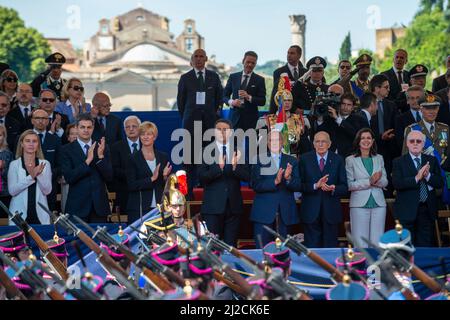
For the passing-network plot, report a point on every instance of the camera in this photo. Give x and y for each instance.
(324, 101)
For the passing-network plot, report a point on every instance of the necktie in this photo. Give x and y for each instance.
(86, 148)
(295, 74)
(244, 83)
(380, 115)
(134, 145)
(418, 118)
(41, 136)
(100, 120)
(322, 164)
(400, 78)
(224, 153)
(25, 111)
(423, 192)
(1, 121)
(201, 80)
(432, 130)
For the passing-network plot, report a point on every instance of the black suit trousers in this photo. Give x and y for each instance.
(422, 229)
(226, 225)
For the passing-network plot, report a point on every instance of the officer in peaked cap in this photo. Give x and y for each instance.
(310, 85)
(51, 78)
(361, 84)
(418, 77)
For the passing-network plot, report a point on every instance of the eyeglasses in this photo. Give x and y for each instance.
(11, 79)
(48, 100)
(77, 88)
(40, 118)
(415, 141)
(345, 67)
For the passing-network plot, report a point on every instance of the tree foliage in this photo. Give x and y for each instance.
(24, 49)
(345, 52)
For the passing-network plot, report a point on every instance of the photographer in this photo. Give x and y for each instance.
(348, 124)
(324, 113)
(50, 78)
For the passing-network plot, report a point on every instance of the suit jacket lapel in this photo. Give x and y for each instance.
(79, 150)
(291, 76)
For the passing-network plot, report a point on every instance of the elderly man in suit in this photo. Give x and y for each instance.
(122, 150)
(106, 124)
(222, 200)
(274, 178)
(324, 182)
(199, 99)
(58, 122)
(416, 176)
(86, 167)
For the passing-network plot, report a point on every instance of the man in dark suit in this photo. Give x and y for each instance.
(22, 111)
(13, 127)
(199, 98)
(244, 92)
(274, 178)
(383, 124)
(58, 122)
(441, 82)
(368, 108)
(122, 150)
(221, 179)
(397, 76)
(86, 166)
(106, 125)
(324, 182)
(444, 109)
(413, 115)
(416, 176)
(294, 68)
(348, 124)
(50, 145)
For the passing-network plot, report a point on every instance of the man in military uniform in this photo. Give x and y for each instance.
(311, 85)
(437, 133)
(418, 77)
(50, 78)
(361, 84)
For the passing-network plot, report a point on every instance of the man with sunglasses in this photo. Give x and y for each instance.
(13, 127)
(51, 78)
(57, 121)
(416, 176)
(345, 75)
(361, 84)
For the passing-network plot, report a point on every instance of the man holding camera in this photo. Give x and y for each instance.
(310, 85)
(50, 78)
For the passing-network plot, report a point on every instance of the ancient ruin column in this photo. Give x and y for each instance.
(298, 29)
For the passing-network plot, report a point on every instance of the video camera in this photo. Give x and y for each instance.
(325, 100)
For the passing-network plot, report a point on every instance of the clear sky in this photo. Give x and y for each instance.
(231, 27)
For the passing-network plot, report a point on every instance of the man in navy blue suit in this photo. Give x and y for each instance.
(244, 93)
(274, 178)
(222, 199)
(50, 144)
(199, 99)
(86, 167)
(324, 182)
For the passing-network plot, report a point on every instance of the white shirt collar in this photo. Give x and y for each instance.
(82, 144)
(23, 107)
(396, 71)
(291, 68)
(197, 71)
(325, 157)
(428, 125)
(130, 144)
(413, 157)
(38, 132)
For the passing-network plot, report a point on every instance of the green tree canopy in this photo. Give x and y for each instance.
(24, 49)
(345, 52)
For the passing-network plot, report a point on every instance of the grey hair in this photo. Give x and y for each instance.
(414, 131)
(131, 118)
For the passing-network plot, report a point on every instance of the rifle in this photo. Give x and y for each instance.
(299, 248)
(282, 287)
(103, 257)
(405, 265)
(29, 276)
(151, 236)
(12, 291)
(145, 262)
(55, 264)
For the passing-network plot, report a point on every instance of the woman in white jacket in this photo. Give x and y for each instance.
(30, 180)
(366, 177)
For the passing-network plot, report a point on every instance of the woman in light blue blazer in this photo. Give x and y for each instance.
(73, 100)
(366, 177)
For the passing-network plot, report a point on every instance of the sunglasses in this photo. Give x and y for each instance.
(48, 100)
(11, 79)
(418, 141)
(345, 67)
(77, 88)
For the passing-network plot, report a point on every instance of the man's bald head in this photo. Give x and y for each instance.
(322, 142)
(102, 103)
(336, 89)
(39, 120)
(198, 59)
